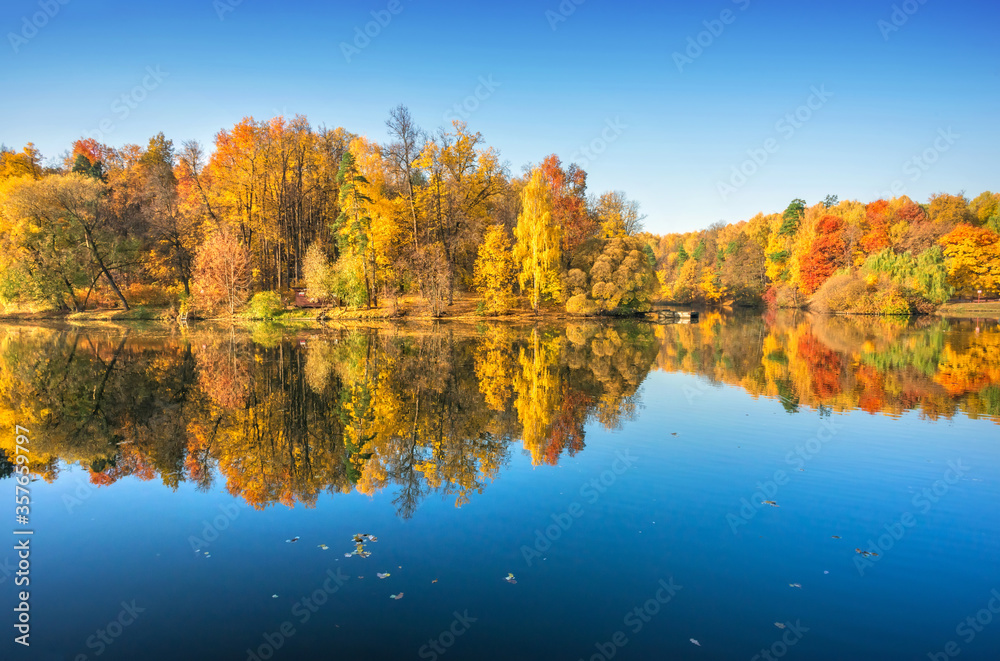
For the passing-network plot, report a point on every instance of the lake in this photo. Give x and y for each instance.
(746, 487)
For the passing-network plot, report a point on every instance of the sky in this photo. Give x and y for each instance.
(701, 111)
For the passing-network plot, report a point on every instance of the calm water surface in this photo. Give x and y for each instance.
(657, 492)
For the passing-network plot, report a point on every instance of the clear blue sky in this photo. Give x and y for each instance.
(683, 131)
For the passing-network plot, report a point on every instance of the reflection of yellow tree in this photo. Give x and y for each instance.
(538, 392)
(495, 367)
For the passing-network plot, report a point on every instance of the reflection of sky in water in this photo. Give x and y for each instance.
(638, 505)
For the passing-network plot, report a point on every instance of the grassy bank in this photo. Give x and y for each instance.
(989, 310)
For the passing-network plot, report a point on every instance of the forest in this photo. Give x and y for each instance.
(280, 206)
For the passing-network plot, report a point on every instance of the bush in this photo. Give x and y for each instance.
(613, 276)
(264, 305)
(152, 295)
(581, 304)
(858, 293)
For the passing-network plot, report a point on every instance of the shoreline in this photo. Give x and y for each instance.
(464, 312)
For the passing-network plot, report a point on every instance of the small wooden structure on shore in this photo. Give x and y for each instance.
(673, 316)
(302, 300)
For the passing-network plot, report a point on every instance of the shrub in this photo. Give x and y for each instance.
(614, 275)
(859, 293)
(582, 305)
(265, 305)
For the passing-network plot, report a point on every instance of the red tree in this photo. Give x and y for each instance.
(825, 256)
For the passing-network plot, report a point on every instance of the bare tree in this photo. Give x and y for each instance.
(408, 143)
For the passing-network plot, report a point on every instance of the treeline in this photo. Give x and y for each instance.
(885, 257)
(279, 204)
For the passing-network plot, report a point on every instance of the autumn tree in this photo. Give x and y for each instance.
(408, 142)
(222, 271)
(825, 256)
(973, 259)
(617, 215)
(496, 271)
(567, 189)
(950, 209)
(68, 209)
(538, 240)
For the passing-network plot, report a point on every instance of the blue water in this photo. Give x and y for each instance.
(656, 502)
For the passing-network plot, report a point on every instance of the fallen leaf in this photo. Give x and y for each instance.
(293, 539)
(779, 625)
(695, 642)
(769, 502)
(381, 575)
(396, 596)
(794, 585)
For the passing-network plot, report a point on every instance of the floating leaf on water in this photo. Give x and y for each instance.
(292, 540)
(396, 596)
(779, 625)
(510, 578)
(769, 502)
(866, 554)
(834, 536)
(795, 585)
(274, 596)
(323, 546)
(695, 642)
(434, 581)
(348, 555)
(381, 575)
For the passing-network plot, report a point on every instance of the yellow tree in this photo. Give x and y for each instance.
(495, 271)
(538, 241)
(972, 259)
